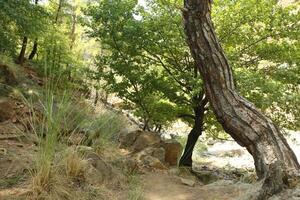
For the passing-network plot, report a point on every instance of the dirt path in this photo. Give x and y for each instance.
(161, 186)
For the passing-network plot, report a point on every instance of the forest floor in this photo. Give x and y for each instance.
(162, 186)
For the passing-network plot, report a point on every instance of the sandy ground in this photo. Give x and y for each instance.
(162, 186)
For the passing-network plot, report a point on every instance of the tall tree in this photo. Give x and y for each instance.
(276, 164)
(29, 22)
(35, 43)
(153, 39)
(21, 57)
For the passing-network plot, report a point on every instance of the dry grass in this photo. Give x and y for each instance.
(61, 170)
(49, 184)
(74, 164)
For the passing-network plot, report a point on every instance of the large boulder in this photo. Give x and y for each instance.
(173, 151)
(138, 140)
(149, 158)
(145, 139)
(149, 150)
(127, 138)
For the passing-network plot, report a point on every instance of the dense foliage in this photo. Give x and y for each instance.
(49, 34)
(145, 56)
(144, 59)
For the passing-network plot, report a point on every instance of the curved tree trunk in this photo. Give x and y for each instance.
(186, 158)
(276, 164)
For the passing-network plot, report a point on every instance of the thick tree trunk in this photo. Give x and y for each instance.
(21, 57)
(276, 164)
(34, 50)
(186, 158)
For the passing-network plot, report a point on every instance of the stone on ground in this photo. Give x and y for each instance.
(188, 182)
(173, 152)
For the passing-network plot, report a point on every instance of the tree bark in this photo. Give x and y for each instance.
(276, 164)
(186, 158)
(96, 98)
(21, 57)
(60, 5)
(35, 44)
(34, 50)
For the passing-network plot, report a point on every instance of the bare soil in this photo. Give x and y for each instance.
(163, 186)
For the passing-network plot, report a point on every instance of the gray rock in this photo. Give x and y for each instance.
(127, 139)
(153, 163)
(188, 182)
(159, 153)
(99, 171)
(144, 140)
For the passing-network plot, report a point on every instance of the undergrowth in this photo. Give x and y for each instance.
(60, 170)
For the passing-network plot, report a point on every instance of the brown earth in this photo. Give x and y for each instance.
(163, 186)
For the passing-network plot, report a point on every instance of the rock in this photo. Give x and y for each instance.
(152, 162)
(188, 182)
(206, 177)
(6, 110)
(93, 176)
(145, 139)
(127, 139)
(173, 151)
(159, 153)
(148, 149)
(99, 171)
(131, 165)
(7, 76)
(150, 157)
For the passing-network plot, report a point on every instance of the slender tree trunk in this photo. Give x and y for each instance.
(35, 44)
(276, 164)
(146, 124)
(96, 98)
(159, 128)
(60, 5)
(21, 57)
(199, 111)
(73, 29)
(34, 49)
